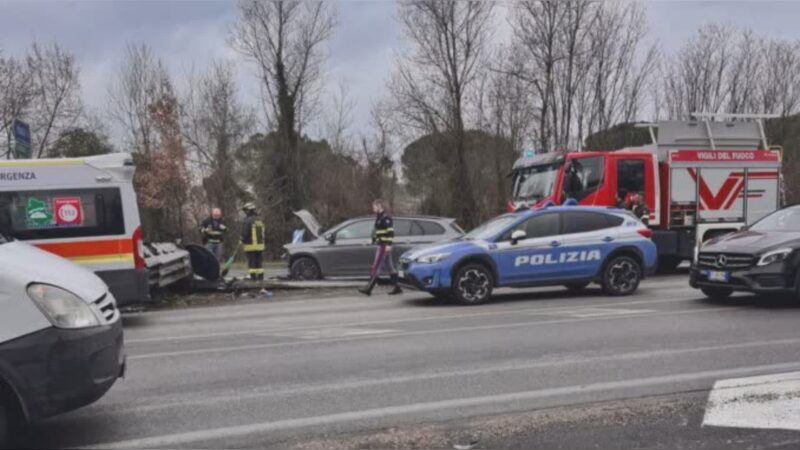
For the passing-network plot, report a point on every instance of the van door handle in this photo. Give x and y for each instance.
(555, 243)
(608, 239)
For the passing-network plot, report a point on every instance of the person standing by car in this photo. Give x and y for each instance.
(383, 235)
(639, 208)
(253, 242)
(213, 229)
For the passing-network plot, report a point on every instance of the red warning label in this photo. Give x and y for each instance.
(68, 211)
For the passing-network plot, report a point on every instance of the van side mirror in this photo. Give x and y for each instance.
(518, 235)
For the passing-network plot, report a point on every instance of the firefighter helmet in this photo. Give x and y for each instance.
(249, 206)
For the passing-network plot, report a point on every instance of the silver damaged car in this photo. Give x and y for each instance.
(346, 250)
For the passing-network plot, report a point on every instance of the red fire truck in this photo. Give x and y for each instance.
(699, 178)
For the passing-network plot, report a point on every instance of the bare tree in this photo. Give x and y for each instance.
(56, 86)
(285, 40)
(339, 119)
(779, 88)
(696, 79)
(16, 94)
(433, 81)
(619, 71)
(215, 123)
(141, 80)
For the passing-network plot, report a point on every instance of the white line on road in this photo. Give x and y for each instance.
(768, 401)
(427, 317)
(362, 383)
(212, 434)
(203, 351)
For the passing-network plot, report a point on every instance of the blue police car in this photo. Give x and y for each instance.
(560, 245)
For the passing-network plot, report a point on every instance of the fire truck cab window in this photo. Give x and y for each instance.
(583, 176)
(630, 177)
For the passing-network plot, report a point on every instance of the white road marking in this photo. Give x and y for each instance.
(203, 351)
(768, 401)
(211, 434)
(427, 317)
(330, 333)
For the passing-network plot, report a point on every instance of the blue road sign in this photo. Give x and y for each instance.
(22, 139)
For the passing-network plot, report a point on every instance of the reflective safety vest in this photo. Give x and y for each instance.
(253, 235)
(384, 230)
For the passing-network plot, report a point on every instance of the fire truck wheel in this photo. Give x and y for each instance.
(472, 284)
(621, 276)
(717, 293)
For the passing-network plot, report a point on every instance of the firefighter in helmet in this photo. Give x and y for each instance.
(253, 241)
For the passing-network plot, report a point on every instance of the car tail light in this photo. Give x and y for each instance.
(138, 249)
(646, 232)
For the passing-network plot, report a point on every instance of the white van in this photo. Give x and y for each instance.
(61, 344)
(83, 209)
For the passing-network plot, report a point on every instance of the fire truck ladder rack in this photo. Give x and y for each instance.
(719, 130)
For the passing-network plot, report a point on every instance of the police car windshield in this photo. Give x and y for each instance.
(535, 182)
(491, 228)
(785, 220)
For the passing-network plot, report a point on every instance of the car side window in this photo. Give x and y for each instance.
(402, 227)
(543, 225)
(358, 230)
(430, 228)
(584, 221)
(614, 221)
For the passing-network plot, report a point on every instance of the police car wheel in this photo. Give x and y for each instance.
(472, 284)
(305, 268)
(621, 276)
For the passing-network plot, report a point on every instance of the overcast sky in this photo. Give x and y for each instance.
(189, 32)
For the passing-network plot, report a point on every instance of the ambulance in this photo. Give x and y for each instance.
(82, 209)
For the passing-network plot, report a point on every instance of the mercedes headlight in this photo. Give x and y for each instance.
(774, 256)
(432, 258)
(63, 308)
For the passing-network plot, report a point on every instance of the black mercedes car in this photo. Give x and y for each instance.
(763, 258)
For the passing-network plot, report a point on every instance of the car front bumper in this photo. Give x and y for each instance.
(424, 277)
(770, 279)
(56, 370)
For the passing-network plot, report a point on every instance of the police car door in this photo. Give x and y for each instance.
(586, 239)
(526, 261)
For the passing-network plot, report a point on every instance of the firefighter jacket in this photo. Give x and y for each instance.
(213, 230)
(384, 230)
(642, 212)
(253, 234)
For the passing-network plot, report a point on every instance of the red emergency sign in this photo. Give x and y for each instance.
(68, 211)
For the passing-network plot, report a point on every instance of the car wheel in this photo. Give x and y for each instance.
(621, 276)
(305, 268)
(577, 286)
(717, 293)
(472, 284)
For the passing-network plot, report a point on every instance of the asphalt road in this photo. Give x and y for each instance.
(534, 368)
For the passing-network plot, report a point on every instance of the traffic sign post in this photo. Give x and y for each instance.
(22, 140)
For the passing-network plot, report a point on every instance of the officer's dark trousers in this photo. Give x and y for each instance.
(254, 265)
